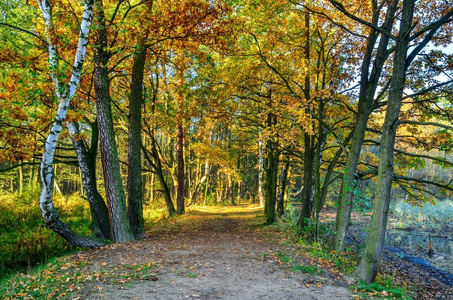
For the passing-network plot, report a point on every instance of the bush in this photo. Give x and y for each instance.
(25, 240)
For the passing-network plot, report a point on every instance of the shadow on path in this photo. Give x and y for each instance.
(211, 255)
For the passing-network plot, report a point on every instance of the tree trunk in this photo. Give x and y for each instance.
(271, 168)
(87, 164)
(180, 209)
(64, 94)
(282, 188)
(151, 189)
(261, 188)
(368, 85)
(134, 155)
(270, 181)
(230, 190)
(368, 265)
(307, 196)
(21, 180)
(203, 179)
(120, 227)
(167, 193)
(180, 176)
(307, 192)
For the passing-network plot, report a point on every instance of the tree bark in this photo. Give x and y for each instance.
(368, 85)
(307, 192)
(134, 155)
(21, 180)
(87, 164)
(230, 190)
(121, 230)
(157, 166)
(369, 263)
(203, 179)
(282, 187)
(180, 176)
(180, 209)
(261, 159)
(271, 168)
(163, 182)
(64, 94)
(368, 266)
(307, 196)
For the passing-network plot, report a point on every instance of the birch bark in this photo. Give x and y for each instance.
(64, 92)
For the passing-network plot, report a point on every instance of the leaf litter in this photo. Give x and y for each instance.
(213, 255)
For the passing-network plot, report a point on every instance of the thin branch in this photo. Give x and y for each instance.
(25, 31)
(427, 124)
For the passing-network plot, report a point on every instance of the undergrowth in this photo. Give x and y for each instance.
(382, 289)
(60, 278)
(315, 241)
(428, 215)
(25, 241)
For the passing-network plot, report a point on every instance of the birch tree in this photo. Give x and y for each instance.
(64, 93)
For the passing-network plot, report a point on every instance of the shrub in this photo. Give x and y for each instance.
(25, 240)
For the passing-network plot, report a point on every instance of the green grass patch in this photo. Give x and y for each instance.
(306, 269)
(283, 258)
(26, 242)
(379, 290)
(191, 275)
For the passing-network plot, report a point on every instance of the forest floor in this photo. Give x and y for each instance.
(216, 253)
(408, 267)
(221, 253)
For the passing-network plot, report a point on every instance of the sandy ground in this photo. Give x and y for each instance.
(218, 258)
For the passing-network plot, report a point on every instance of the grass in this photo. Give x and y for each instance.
(23, 231)
(60, 278)
(25, 241)
(283, 258)
(429, 215)
(191, 275)
(196, 216)
(379, 290)
(306, 269)
(346, 262)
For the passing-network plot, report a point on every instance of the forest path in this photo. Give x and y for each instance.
(220, 253)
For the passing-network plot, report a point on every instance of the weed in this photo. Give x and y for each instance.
(191, 275)
(306, 269)
(25, 241)
(283, 257)
(381, 290)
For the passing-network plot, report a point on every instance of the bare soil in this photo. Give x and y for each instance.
(221, 254)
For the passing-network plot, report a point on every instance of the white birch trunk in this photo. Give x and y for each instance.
(64, 94)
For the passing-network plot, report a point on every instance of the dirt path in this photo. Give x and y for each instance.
(209, 255)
